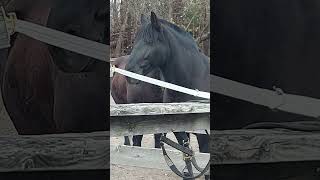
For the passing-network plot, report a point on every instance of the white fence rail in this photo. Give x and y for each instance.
(274, 99)
(197, 93)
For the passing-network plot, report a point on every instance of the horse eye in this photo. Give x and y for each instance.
(146, 56)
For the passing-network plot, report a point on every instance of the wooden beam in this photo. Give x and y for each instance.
(55, 152)
(159, 108)
(150, 118)
(151, 157)
(263, 146)
(291, 103)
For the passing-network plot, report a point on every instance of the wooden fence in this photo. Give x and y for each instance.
(151, 118)
(79, 152)
(55, 152)
(56, 157)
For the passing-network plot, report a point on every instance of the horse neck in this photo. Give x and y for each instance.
(185, 65)
(24, 46)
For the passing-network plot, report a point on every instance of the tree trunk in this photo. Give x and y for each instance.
(177, 7)
(115, 13)
(124, 12)
(170, 11)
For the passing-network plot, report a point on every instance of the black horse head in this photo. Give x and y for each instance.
(150, 48)
(72, 17)
(155, 44)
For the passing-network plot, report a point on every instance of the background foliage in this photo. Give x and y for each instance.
(192, 15)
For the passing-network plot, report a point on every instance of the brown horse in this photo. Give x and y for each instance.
(40, 95)
(125, 93)
(27, 87)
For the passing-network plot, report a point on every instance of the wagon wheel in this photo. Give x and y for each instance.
(188, 157)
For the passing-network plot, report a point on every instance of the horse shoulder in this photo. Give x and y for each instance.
(119, 89)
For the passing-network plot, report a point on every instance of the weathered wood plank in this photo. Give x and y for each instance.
(150, 118)
(135, 125)
(263, 146)
(159, 108)
(56, 152)
(151, 157)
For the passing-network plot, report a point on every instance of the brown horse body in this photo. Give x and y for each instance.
(39, 97)
(126, 93)
(27, 88)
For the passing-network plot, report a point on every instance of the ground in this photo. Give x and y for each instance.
(135, 173)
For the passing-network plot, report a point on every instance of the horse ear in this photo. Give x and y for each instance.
(143, 19)
(155, 22)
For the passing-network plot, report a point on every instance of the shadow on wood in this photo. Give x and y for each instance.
(58, 152)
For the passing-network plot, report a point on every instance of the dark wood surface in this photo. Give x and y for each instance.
(58, 152)
(263, 146)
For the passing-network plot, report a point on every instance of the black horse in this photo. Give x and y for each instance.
(161, 44)
(51, 90)
(265, 44)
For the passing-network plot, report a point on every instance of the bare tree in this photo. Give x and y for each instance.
(192, 15)
(124, 17)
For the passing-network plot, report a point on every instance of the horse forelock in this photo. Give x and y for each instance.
(150, 35)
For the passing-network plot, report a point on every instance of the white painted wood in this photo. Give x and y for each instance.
(302, 105)
(193, 92)
(63, 40)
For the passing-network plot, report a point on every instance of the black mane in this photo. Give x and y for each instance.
(149, 35)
